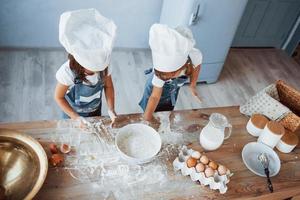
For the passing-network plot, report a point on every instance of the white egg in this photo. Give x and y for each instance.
(196, 154)
(209, 172)
(204, 159)
(200, 167)
(222, 170)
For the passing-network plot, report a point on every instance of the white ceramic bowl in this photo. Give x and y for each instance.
(250, 154)
(138, 143)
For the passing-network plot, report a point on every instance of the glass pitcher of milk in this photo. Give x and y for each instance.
(215, 132)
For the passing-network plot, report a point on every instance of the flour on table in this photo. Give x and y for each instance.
(97, 162)
(175, 135)
(177, 118)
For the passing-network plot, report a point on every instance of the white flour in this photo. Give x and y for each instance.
(177, 118)
(166, 134)
(175, 135)
(138, 145)
(97, 161)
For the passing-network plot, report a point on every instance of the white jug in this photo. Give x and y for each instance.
(213, 134)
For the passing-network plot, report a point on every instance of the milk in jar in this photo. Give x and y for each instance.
(213, 134)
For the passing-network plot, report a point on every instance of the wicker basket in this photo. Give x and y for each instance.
(289, 97)
(291, 122)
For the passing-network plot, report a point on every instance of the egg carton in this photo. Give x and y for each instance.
(215, 182)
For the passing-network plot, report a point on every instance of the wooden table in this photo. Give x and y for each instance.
(244, 184)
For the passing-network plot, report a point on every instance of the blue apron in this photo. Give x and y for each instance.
(86, 100)
(169, 94)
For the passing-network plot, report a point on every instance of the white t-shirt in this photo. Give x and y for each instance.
(65, 75)
(196, 57)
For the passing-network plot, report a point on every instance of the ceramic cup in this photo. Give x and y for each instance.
(271, 134)
(256, 124)
(288, 142)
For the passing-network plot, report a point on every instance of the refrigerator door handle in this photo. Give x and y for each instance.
(196, 16)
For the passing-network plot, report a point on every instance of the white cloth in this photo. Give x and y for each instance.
(65, 76)
(170, 48)
(196, 58)
(88, 36)
(266, 102)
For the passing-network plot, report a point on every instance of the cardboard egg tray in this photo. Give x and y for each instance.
(216, 182)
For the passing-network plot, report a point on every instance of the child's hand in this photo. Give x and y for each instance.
(118, 122)
(83, 123)
(112, 115)
(194, 92)
(152, 121)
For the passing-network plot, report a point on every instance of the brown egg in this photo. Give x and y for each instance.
(64, 148)
(200, 167)
(209, 172)
(56, 159)
(204, 159)
(196, 155)
(53, 148)
(213, 165)
(222, 170)
(191, 162)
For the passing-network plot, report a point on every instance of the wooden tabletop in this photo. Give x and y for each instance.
(244, 184)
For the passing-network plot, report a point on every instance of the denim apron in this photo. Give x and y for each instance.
(169, 94)
(86, 100)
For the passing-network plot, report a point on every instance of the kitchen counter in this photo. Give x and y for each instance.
(59, 184)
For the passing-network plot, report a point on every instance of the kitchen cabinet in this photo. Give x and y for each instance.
(266, 23)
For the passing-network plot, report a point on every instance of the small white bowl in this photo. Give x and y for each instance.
(250, 154)
(138, 143)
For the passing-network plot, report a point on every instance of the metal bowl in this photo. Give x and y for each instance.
(23, 165)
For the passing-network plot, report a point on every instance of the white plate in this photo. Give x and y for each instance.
(250, 157)
(138, 143)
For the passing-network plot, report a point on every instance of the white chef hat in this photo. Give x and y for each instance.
(170, 47)
(186, 32)
(88, 36)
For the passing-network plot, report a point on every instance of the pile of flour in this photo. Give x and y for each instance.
(138, 144)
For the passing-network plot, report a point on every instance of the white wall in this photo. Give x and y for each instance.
(34, 23)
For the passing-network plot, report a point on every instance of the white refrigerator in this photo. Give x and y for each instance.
(213, 23)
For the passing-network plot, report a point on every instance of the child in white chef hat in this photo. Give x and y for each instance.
(175, 60)
(88, 37)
